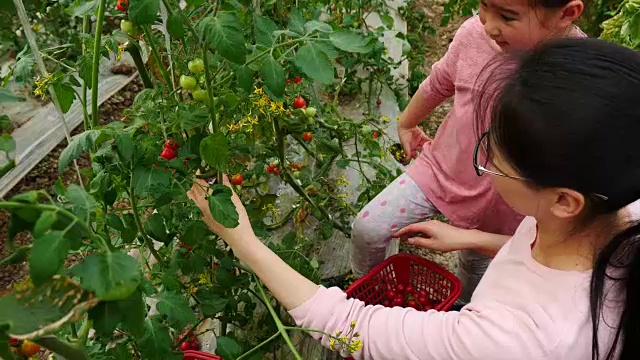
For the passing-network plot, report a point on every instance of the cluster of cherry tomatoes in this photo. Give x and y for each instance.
(407, 296)
(25, 348)
(190, 83)
(170, 150)
(296, 80)
(272, 168)
(188, 341)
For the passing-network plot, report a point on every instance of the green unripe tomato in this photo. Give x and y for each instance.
(130, 28)
(196, 66)
(200, 95)
(311, 111)
(188, 82)
(296, 174)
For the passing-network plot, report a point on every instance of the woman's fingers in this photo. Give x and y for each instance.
(409, 230)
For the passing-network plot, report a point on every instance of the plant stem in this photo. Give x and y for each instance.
(142, 70)
(156, 56)
(281, 328)
(97, 44)
(207, 75)
(86, 25)
(83, 334)
(256, 348)
(136, 217)
(43, 207)
(309, 151)
(62, 348)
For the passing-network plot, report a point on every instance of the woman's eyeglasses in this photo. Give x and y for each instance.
(482, 169)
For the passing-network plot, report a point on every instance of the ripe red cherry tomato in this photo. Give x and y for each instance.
(386, 303)
(307, 136)
(409, 289)
(168, 153)
(288, 81)
(297, 80)
(237, 179)
(423, 293)
(398, 301)
(194, 344)
(390, 294)
(122, 5)
(401, 289)
(299, 103)
(185, 345)
(379, 102)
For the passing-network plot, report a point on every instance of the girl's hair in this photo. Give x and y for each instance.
(569, 116)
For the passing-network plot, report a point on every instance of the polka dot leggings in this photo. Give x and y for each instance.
(400, 204)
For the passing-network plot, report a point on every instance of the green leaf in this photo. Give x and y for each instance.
(44, 223)
(263, 30)
(18, 224)
(224, 33)
(111, 276)
(33, 308)
(195, 2)
(387, 20)
(65, 95)
(315, 25)
(214, 150)
(228, 348)
(7, 143)
(195, 232)
(296, 21)
(81, 8)
(175, 307)
(83, 203)
(17, 256)
(24, 66)
(175, 25)
(85, 68)
(222, 207)
(7, 96)
(273, 76)
(211, 305)
(78, 145)
(5, 122)
(126, 146)
(244, 77)
(143, 12)
(156, 343)
(106, 317)
(134, 311)
(47, 256)
(314, 62)
(154, 225)
(350, 41)
(192, 118)
(150, 180)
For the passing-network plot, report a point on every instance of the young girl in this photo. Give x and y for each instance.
(562, 145)
(439, 180)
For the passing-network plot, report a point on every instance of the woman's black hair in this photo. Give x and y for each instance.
(569, 116)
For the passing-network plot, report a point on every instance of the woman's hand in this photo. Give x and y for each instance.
(436, 235)
(199, 193)
(412, 140)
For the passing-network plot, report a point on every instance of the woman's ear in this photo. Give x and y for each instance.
(568, 203)
(570, 13)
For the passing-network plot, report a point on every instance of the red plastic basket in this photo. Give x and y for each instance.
(199, 355)
(443, 287)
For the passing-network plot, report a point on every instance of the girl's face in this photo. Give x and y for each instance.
(515, 25)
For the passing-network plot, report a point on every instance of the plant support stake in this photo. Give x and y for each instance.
(33, 45)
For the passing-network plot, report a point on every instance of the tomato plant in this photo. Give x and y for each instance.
(140, 239)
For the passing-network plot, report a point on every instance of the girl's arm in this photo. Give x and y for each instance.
(439, 236)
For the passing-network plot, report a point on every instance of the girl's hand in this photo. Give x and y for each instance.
(436, 235)
(412, 140)
(199, 193)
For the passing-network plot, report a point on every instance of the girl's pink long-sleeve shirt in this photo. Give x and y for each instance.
(521, 310)
(444, 169)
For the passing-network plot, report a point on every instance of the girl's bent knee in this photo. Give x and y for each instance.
(367, 232)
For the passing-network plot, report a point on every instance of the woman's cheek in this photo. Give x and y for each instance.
(519, 197)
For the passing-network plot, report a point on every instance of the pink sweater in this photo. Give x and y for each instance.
(520, 310)
(444, 169)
